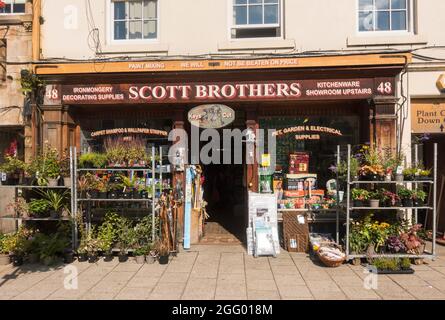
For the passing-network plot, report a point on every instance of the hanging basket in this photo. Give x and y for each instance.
(330, 261)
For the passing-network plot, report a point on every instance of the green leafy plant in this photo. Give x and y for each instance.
(405, 193)
(30, 83)
(55, 200)
(419, 194)
(107, 232)
(12, 165)
(127, 237)
(392, 264)
(360, 194)
(38, 207)
(19, 207)
(93, 160)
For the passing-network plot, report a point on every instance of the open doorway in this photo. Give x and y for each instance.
(224, 193)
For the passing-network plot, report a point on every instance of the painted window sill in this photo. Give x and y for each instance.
(123, 47)
(379, 40)
(255, 44)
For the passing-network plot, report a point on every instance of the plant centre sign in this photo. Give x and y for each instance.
(273, 90)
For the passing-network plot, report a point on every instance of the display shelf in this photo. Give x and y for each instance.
(114, 169)
(391, 182)
(349, 208)
(391, 208)
(114, 200)
(35, 187)
(36, 219)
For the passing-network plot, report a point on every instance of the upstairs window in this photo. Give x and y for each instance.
(13, 6)
(383, 15)
(135, 20)
(256, 19)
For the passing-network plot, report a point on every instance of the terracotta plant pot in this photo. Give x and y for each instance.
(4, 259)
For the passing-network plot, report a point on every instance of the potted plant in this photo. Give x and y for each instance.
(51, 166)
(139, 254)
(374, 199)
(164, 252)
(65, 170)
(38, 208)
(19, 208)
(116, 152)
(424, 175)
(107, 235)
(126, 238)
(128, 186)
(406, 195)
(390, 199)
(52, 247)
(14, 169)
(372, 172)
(395, 245)
(392, 265)
(409, 174)
(419, 197)
(93, 160)
(359, 197)
(4, 250)
(151, 254)
(56, 201)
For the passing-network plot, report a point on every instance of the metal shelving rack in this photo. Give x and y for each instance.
(153, 201)
(20, 220)
(432, 208)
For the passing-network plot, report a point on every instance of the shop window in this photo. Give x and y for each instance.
(256, 19)
(13, 6)
(383, 15)
(134, 20)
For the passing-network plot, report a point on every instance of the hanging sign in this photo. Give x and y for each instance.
(306, 132)
(211, 116)
(428, 118)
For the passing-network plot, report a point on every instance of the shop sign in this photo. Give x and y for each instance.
(306, 132)
(120, 131)
(211, 116)
(273, 90)
(428, 118)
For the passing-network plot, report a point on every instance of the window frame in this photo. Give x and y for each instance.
(409, 22)
(13, 13)
(231, 23)
(110, 17)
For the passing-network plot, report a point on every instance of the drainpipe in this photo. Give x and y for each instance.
(36, 13)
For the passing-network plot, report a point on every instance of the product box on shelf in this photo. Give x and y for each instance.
(298, 162)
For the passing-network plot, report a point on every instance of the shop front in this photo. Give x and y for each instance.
(310, 109)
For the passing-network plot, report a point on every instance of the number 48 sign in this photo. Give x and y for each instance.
(52, 95)
(385, 88)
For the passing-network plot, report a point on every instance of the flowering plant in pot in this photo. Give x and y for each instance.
(359, 197)
(424, 175)
(406, 195)
(51, 166)
(19, 208)
(409, 174)
(389, 199)
(395, 245)
(14, 169)
(411, 239)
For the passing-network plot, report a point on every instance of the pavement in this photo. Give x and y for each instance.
(222, 272)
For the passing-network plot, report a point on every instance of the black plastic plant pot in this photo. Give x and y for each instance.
(82, 257)
(16, 260)
(12, 181)
(418, 203)
(127, 195)
(144, 194)
(54, 214)
(357, 203)
(68, 257)
(408, 177)
(94, 194)
(163, 259)
(136, 195)
(407, 202)
(92, 258)
(424, 178)
(112, 195)
(102, 195)
(108, 257)
(123, 258)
